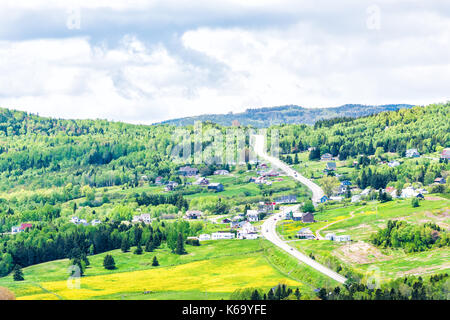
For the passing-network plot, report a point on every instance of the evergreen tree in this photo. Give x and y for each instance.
(125, 246)
(180, 245)
(255, 295)
(138, 249)
(18, 274)
(109, 263)
(155, 262)
(297, 294)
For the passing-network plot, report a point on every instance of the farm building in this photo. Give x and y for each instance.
(252, 215)
(445, 153)
(286, 199)
(326, 157)
(333, 237)
(204, 237)
(221, 172)
(303, 216)
(222, 235)
(193, 214)
(216, 187)
(412, 153)
(188, 171)
(266, 207)
(440, 180)
(305, 233)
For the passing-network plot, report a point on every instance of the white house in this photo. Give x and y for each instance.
(145, 217)
(410, 192)
(412, 153)
(95, 222)
(330, 236)
(249, 236)
(75, 220)
(247, 231)
(252, 215)
(15, 229)
(393, 164)
(342, 238)
(333, 237)
(204, 237)
(222, 235)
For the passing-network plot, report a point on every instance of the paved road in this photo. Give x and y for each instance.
(259, 150)
(269, 226)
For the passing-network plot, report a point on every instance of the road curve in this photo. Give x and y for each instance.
(269, 226)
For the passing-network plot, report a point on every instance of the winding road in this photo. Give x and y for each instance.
(269, 226)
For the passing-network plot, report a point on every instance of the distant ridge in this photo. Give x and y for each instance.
(290, 114)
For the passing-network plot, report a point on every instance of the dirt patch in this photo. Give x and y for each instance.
(360, 253)
(433, 198)
(423, 270)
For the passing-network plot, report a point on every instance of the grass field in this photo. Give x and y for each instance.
(212, 271)
(360, 255)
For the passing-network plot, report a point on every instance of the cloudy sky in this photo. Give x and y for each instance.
(145, 61)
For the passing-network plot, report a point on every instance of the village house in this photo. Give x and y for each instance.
(247, 231)
(266, 207)
(158, 181)
(262, 166)
(271, 173)
(412, 153)
(74, 220)
(305, 217)
(286, 199)
(445, 153)
(440, 180)
(410, 192)
(356, 198)
(236, 224)
(145, 217)
(218, 187)
(21, 228)
(326, 157)
(393, 164)
(204, 237)
(331, 166)
(95, 222)
(305, 233)
(188, 171)
(336, 198)
(221, 172)
(171, 185)
(323, 199)
(252, 215)
(202, 181)
(333, 237)
(193, 214)
(226, 220)
(222, 235)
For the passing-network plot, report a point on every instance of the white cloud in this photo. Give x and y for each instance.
(325, 57)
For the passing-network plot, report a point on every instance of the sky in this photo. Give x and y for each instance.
(147, 61)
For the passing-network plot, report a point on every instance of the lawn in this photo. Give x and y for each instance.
(367, 219)
(212, 271)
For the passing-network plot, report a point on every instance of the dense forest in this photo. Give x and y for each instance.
(49, 242)
(412, 238)
(434, 287)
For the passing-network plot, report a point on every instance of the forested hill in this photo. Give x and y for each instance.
(37, 152)
(265, 117)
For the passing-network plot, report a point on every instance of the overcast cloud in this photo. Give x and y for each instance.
(146, 61)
